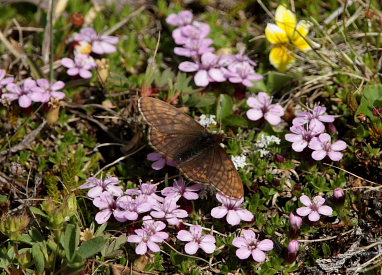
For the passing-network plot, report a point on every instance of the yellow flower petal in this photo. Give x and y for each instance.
(286, 20)
(275, 34)
(281, 58)
(298, 38)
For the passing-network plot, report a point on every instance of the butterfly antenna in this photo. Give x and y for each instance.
(221, 117)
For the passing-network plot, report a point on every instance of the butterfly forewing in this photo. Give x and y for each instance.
(199, 156)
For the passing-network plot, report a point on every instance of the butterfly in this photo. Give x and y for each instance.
(195, 149)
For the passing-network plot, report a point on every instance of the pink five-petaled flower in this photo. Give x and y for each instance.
(194, 32)
(108, 206)
(210, 69)
(196, 240)
(131, 208)
(313, 118)
(4, 81)
(154, 228)
(301, 137)
(98, 186)
(314, 209)
(159, 161)
(195, 48)
(242, 72)
(181, 19)
(181, 190)
(323, 147)
(146, 191)
(169, 210)
(251, 245)
(101, 44)
(23, 93)
(232, 208)
(262, 107)
(145, 240)
(81, 65)
(45, 90)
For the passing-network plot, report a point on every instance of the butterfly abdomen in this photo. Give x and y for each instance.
(203, 142)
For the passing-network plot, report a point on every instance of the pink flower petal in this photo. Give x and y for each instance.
(299, 146)
(293, 138)
(134, 239)
(201, 78)
(243, 253)
(185, 236)
(216, 75)
(187, 66)
(304, 211)
(159, 164)
(272, 118)
(335, 156)
(73, 71)
(245, 215)
(325, 210)
(249, 235)
(305, 200)
(58, 85)
(141, 249)
(258, 255)
(25, 101)
(103, 216)
(319, 155)
(324, 137)
(339, 145)
(153, 246)
(314, 216)
(191, 247)
(232, 217)
(254, 114)
(265, 245)
(239, 242)
(219, 212)
(207, 247)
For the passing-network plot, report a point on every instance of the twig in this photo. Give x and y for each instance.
(208, 229)
(325, 239)
(350, 173)
(123, 21)
(189, 256)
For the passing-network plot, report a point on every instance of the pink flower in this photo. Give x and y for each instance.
(154, 228)
(169, 210)
(4, 81)
(194, 32)
(23, 93)
(44, 91)
(293, 248)
(251, 245)
(209, 70)
(232, 208)
(101, 44)
(159, 161)
(323, 147)
(181, 190)
(181, 19)
(242, 73)
(98, 186)
(314, 209)
(242, 58)
(196, 240)
(301, 137)
(195, 48)
(145, 240)
(108, 206)
(81, 65)
(131, 208)
(315, 118)
(262, 107)
(146, 191)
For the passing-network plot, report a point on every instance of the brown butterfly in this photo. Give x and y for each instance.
(197, 151)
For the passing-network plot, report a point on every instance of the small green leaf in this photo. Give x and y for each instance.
(71, 240)
(100, 229)
(224, 107)
(38, 258)
(36, 235)
(38, 211)
(236, 121)
(91, 247)
(276, 80)
(3, 199)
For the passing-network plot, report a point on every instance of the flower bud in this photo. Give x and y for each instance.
(16, 169)
(77, 19)
(280, 158)
(295, 222)
(339, 196)
(293, 248)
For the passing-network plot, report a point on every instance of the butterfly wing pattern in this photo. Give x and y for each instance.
(179, 137)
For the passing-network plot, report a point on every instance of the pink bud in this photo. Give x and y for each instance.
(293, 248)
(339, 196)
(295, 222)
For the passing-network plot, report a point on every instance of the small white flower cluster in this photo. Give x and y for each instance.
(239, 161)
(263, 143)
(207, 120)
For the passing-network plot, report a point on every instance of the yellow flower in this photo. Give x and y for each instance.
(285, 35)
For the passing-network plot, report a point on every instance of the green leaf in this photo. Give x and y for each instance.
(36, 235)
(38, 258)
(3, 199)
(38, 211)
(276, 80)
(100, 229)
(224, 107)
(70, 240)
(91, 247)
(372, 95)
(236, 121)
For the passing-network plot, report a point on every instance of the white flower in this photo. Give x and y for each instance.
(239, 161)
(207, 120)
(263, 143)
